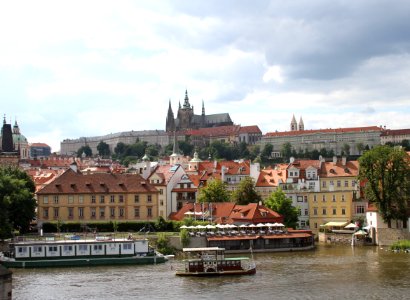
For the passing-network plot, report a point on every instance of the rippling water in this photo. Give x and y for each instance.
(337, 272)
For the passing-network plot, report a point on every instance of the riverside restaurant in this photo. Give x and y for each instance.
(268, 237)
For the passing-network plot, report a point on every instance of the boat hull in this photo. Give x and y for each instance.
(83, 262)
(220, 273)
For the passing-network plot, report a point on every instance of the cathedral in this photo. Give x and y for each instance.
(186, 119)
(12, 141)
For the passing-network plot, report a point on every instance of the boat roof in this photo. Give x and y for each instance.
(83, 241)
(203, 249)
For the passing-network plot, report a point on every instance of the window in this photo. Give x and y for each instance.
(306, 212)
(22, 249)
(339, 184)
(323, 198)
(93, 213)
(149, 198)
(314, 198)
(82, 247)
(68, 248)
(55, 212)
(70, 212)
(70, 199)
(360, 209)
(81, 212)
(136, 198)
(45, 200)
(315, 211)
(97, 247)
(346, 183)
(305, 198)
(161, 191)
(52, 248)
(126, 246)
(334, 211)
(121, 198)
(121, 212)
(343, 198)
(93, 199)
(37, 249)
(324, 211)
(81, 199)
(112, 212)
(45, 212)
(102, 199)
(149, 212)
(188, 185)
(343, 211)
(334, 198)
(331, 182)
(112, 199)
(316, 225)
(102, 212)
(324, 184)
(137, 212)
(299, 212)
(353, 183)
(161, 203)
(300, 199)
(302, 224)
(55, 199)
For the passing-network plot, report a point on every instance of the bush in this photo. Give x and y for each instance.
(401, 245)
(184, 237)
(163, 245)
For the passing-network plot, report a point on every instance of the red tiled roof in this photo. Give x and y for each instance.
(250, 129)
(39, 145)
(330, 130)
(73, 182)
(390, 132)
(215, 131)
(329, 169)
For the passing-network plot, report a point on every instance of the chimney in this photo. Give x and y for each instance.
(73, 166)
(344, 160)
(334, 160)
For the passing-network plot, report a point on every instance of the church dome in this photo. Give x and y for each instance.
(19, 139)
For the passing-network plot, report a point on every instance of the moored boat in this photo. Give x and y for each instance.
(40, 253)
(211, 261)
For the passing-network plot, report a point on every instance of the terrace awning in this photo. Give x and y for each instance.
(335, 224)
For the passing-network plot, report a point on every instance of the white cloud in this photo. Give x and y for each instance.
(273, 73)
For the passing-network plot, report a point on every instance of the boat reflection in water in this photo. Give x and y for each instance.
(211, 261)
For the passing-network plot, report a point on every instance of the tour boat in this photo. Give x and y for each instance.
(72, 252)
(211, 261)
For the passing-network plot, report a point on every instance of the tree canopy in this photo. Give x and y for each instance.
(386, 171)
(246, 192)
(278, 202)
(17, 203)
(103, 149)
(214, 191)
(86, 150)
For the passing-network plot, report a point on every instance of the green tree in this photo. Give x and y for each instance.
(103, 149)
(286, 151)
(214, 191)
(360, 147)
(86, 150)
(386, 171)
(246, 192)
(120, 149)
(186, 147)
(346, 149)
(17, 203)
(278, 202)
(267, 152)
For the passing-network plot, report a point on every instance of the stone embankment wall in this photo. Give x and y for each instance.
(5, 283)
(388, 236)
(337, 238)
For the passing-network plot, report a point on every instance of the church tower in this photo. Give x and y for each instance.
(293, 124)
(301, 125)
(170, 123)
(185, 114)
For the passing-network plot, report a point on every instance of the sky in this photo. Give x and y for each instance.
(71, 69)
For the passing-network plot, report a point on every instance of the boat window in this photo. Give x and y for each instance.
(22, 249)
(68, 248)
(52, 248)
(82, 247)
(97, 247)
(37, 249)
(127, 246)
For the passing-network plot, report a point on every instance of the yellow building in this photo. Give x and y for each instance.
(338, 189)
(78, 197)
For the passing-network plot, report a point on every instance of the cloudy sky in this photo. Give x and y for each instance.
(86, 68)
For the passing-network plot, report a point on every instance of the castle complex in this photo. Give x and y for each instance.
(186, 119)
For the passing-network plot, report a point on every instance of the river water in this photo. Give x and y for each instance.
(329, 272)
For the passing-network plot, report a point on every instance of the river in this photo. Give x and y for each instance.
(329, 272)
